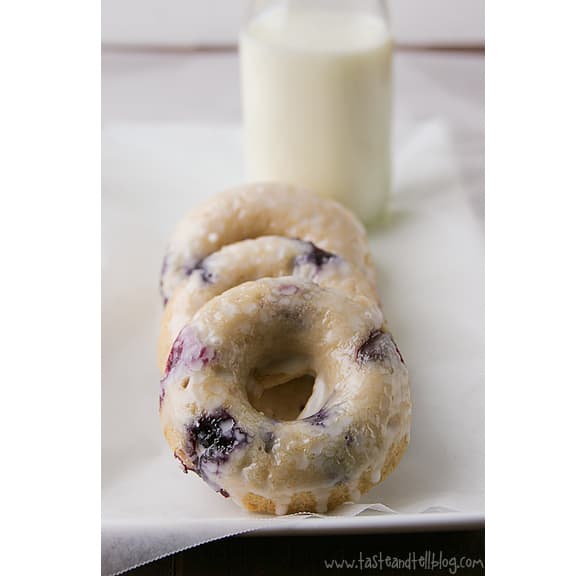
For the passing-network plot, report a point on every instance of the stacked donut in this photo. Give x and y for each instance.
(282, 387)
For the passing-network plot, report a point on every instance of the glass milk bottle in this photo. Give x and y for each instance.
(316, 79)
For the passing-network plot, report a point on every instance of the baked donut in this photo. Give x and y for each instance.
(347, 437)
(267, 256)
(258, 210)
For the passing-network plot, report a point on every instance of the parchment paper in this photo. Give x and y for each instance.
(430, 262)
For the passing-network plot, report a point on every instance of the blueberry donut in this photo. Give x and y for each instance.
(267, 256)
(346, 437)
(259, 210)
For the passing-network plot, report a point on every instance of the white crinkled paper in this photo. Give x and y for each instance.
(430, 263)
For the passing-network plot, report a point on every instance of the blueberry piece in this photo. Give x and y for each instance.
(173, 360)
(205, 274)
(187, 268)
(186, 351)
(398, 351)
(212, 437)
(315, 256)
(214, 486)
(163, 270)
(184, 270)
(317, 419)
(175, 354)
(190, 351)
(206, 475)
(209, 441)
(164, 265)
(379, 347)
(185, 468)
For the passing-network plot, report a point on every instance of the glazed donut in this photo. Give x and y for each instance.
(267, 256)
(257, 210)
(351, 432)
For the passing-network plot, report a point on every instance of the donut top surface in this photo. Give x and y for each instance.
(257, 210)
(266, 256)
(256, 337)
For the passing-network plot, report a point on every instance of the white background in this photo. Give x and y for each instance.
(218, 21)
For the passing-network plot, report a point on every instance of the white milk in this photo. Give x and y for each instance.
(317, 91)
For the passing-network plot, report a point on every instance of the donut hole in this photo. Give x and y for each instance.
(281, 381)
(285, 400)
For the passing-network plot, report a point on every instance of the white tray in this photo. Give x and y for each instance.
(430, 263)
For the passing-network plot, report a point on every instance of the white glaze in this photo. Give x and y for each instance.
(359, 398)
